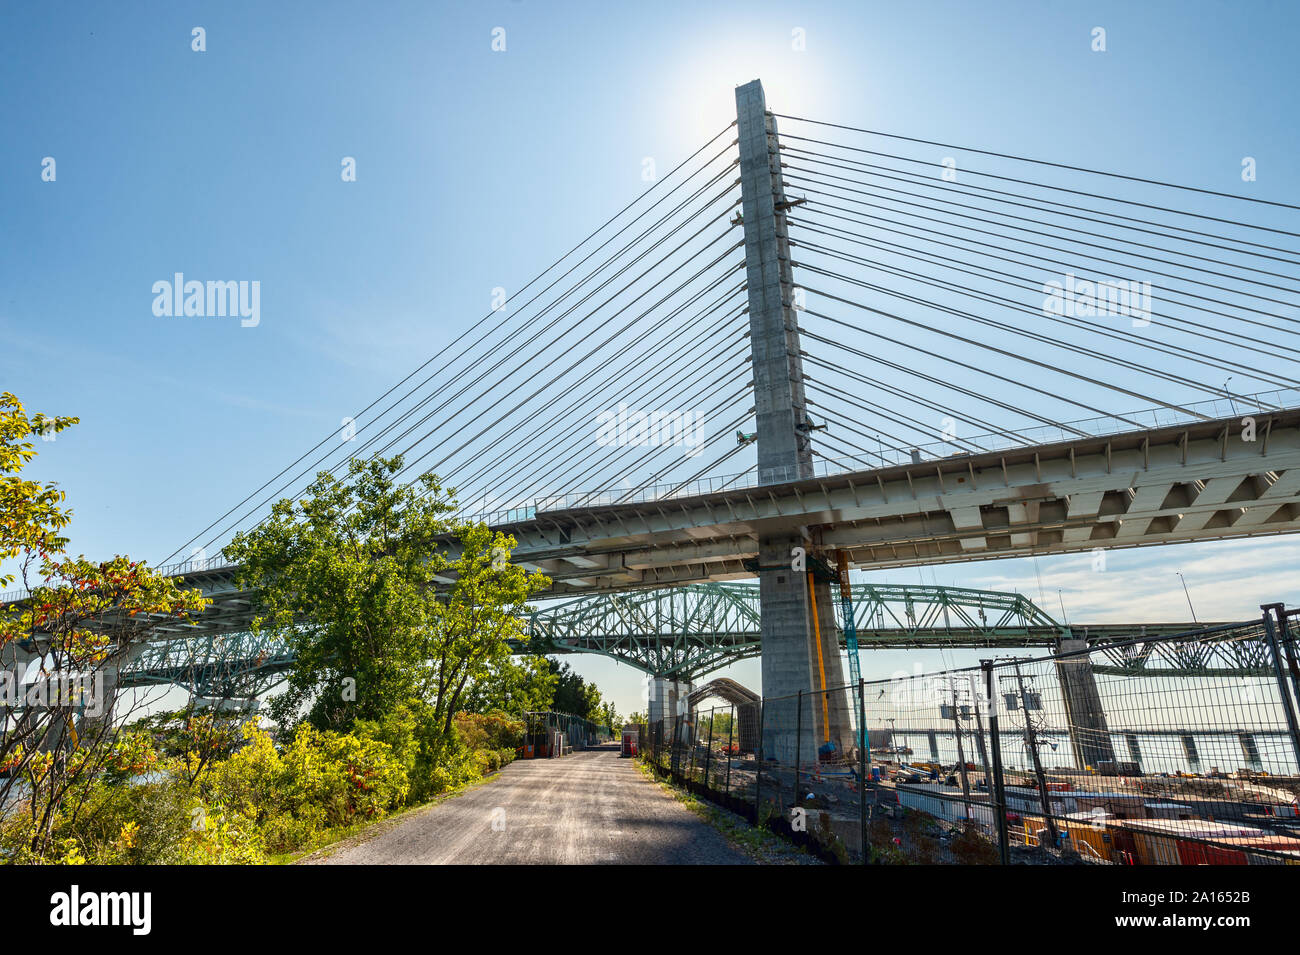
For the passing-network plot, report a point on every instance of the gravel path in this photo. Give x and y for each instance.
(591, 807)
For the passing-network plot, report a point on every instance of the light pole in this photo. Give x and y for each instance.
(1188, 596)
(1231, 403)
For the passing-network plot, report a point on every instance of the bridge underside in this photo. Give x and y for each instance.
(1191, 482)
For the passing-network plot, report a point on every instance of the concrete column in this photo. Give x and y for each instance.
(668, 702)
(30, 721)
(14, 661)
(791, 659)
(1089, 735)
(780, 408)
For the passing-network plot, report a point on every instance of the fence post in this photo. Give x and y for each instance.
(731, 732)
(758, 775)
(1283, 691)
(798, 748)
(1039, 775)
(862, 770)
(1287, 643)
(690, 773)
(999, 793)
(675, 750)
(708, 752)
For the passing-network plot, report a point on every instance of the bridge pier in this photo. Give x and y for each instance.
(667, 702)
(14, 661)
(1089, 735)
(800, 646)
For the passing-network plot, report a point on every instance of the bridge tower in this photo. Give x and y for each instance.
(799, 641)
(1089, 734)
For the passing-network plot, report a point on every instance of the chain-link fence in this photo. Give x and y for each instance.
(547, 733)
(1181, 749)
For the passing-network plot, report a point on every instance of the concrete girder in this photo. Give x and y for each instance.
(1059, 498)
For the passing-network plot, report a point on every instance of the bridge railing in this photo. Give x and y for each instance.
(1018, 759)
(179, 568)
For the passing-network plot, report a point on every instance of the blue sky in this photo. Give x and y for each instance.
(477, 168)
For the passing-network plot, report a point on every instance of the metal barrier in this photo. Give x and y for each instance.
(1116, 755)
(548, 733)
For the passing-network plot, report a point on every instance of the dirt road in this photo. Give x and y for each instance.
(588, 808)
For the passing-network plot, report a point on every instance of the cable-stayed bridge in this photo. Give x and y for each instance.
(827, 338)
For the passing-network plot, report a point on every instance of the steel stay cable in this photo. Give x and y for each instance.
(615, 371)
(1079, 323)
(855, 453)
(646, 381)
(920, 179)
(1078, 349)
(888, 414)
(726, 429)
(713, 464)
(985, 371)
(1044, 162)
(924, 402)
(575, 449)
(831, 416)
(1040, 185)
(371, 441)
(590, 352)
(942, 383)
(584, 498)
(1009, 238)
(1026, 205)
(700, 397)
(452, 344)
(351, 453)
(522, 346)
(577, 446)
(573, 438)
(859, 239)
(1141, 255)
(820, 387)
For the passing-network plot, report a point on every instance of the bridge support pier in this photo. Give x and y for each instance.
(800, 647)
(14, 661)
(667, 702)
(1089, 735)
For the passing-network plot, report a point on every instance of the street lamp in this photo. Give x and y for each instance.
(1231, 403)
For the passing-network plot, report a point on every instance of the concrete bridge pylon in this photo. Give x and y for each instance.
(799, 639)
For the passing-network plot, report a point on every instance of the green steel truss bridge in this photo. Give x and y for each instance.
(684, 633)
(689, 631)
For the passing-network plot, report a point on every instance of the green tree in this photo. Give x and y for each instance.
(514, 686)
(356, 579)
(30, 513)
(609, 715)
(573, 694)
(80, 621)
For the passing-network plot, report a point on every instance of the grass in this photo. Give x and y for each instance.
(761, 845)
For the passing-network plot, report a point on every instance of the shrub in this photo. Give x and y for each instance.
(322, 780)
